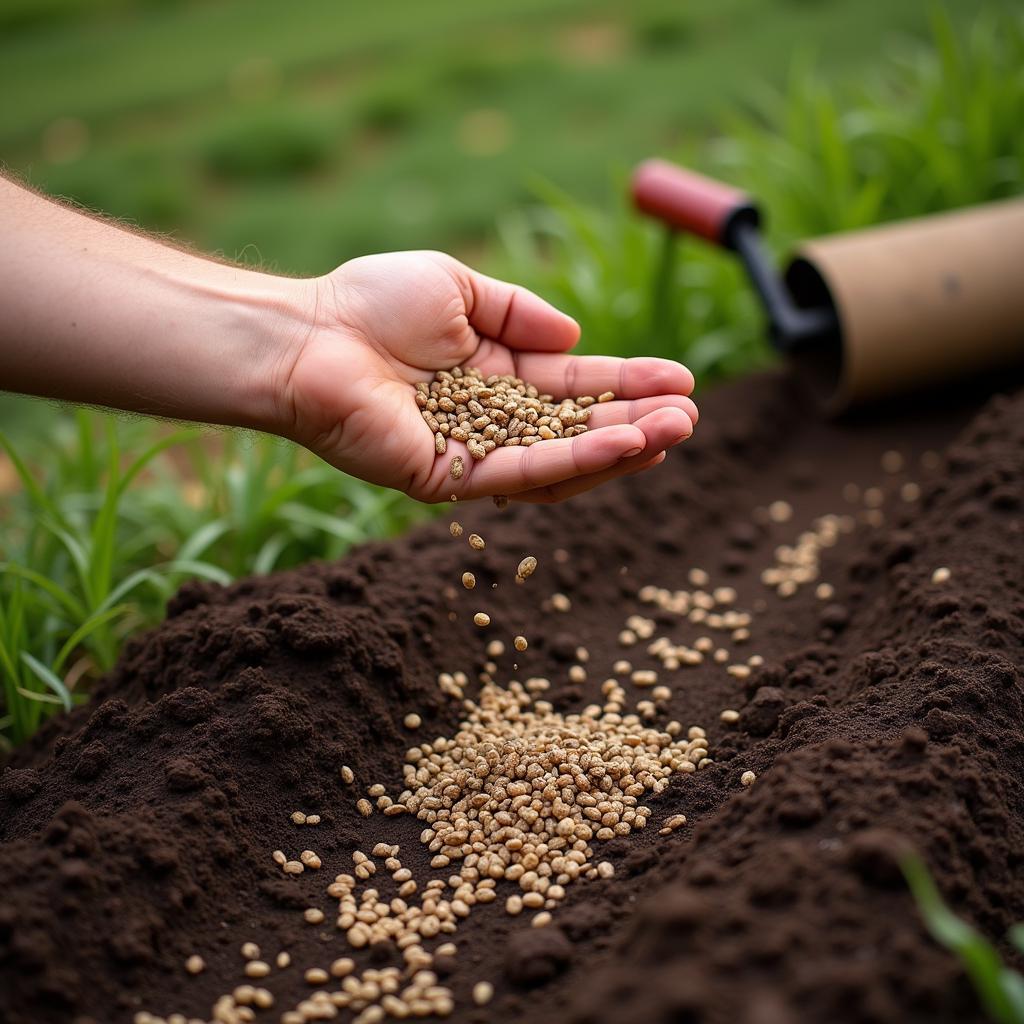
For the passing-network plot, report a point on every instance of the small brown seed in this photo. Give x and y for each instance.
(606, 396)
(257, 969)
(440, 444)
(482, 619)
(298, 818)
(476, 542)
(526, 567)
(520, 643)
(195, 964)
(483, 992)
(468, 580)
(941, 575)
(729, 716)
(455, 529)
(457, 468)
(747, 778)
(316, 976)
(364, 807)
(412, 721)
(313, 915)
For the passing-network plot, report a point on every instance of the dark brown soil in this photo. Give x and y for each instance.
(138, 830)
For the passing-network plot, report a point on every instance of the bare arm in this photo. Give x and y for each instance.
(93, 313)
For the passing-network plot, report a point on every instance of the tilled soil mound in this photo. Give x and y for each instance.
(887, 714)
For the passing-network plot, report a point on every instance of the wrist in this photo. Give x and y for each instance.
(266, 320)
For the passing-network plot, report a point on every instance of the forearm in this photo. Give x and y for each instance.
(96, 314)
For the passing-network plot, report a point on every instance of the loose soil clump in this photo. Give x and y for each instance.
(839, 607)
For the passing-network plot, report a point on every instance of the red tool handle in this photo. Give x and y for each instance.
(689, 201)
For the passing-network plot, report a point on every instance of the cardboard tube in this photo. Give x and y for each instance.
(918, 302)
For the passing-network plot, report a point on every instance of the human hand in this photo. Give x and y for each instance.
(382, 323)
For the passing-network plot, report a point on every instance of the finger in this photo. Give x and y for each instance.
(640, 377)
(663, 429)
(607, 413)
(510, 470)
(552, 462)
(515, 316)
(570, 488)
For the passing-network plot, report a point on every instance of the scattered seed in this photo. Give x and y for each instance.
(293, 867)
(342, 967)
(316, 976)
(257, 969)
(347, 775)
(364, 807)
(283, 959)
(526, 568)
(941, 575)
(892, 462)
(298, 818)
(910, 492)
(541, 919)
(313, 915)
(456, 469)
(195, 964)
(747, 778)
(824, 591)
(455, 529)
(483, 992)
(729, 716)
(482, 619)
(310, 859)
(671, 824)
(412, 720)
(560, 603)
(520, 643)
(780, 511)
(476, 542)
(468, 580)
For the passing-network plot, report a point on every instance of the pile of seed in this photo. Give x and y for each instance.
(496, 411)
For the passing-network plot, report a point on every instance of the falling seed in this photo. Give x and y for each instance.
(412, 720)
(195, 964)
(495, 649)
(483, 992)
(476, 542)
(780, 511)
(560, 603)
(824, 591)
(941, 575)
(520, 643)
(456, 468)
(482, 619)
(526, 567)
(892, 462)
(747, 778)
(468, 580)
(455, 529)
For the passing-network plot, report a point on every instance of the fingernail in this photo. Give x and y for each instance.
(631, 453)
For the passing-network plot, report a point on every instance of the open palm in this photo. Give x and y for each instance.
(383, 323)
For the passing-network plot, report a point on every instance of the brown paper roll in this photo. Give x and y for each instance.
(918, 302)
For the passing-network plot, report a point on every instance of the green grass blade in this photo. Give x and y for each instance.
(207, 534)
(60, 594)
(47, 677)
(92, 623)
(980, 959)
(206, 570)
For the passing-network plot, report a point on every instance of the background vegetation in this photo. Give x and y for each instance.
(299, 135)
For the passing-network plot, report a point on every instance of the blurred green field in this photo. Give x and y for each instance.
(298, 135)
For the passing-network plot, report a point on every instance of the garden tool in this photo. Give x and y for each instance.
(874, 313)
